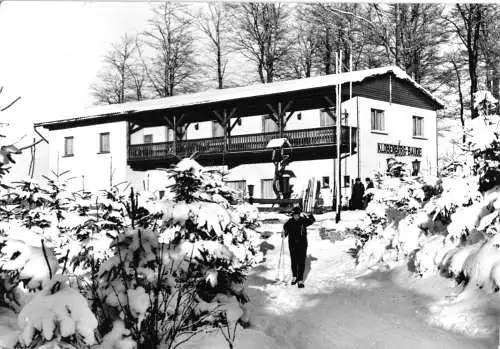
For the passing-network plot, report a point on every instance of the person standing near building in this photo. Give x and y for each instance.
(369, 196)
(296, 230)
(358, 191)
(369, 183)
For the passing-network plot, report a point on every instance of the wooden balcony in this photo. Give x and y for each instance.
(306, 144)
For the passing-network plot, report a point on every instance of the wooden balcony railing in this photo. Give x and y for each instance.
(305, 138)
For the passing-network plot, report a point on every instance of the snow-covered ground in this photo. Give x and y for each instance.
(341, 309)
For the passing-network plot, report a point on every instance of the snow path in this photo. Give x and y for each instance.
(337, 310)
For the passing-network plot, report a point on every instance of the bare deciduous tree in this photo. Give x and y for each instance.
(214, 23)
(262, 35)
(168, 52)
(303, 55)
(467, 21)
(121, 79)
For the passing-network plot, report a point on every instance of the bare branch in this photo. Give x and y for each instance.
(10, 104)
(31, 145)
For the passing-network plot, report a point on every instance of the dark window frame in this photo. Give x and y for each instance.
(66, 146)
(102, 148)
(325, 183)
(414, 119)
(147, 135)
(374, 113)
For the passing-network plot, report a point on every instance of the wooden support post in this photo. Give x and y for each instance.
(280, 121)
(224, 120)
(175, 135)
(178, 128)
(278, 116)
(128, 138)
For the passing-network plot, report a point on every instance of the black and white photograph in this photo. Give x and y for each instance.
(249, 174)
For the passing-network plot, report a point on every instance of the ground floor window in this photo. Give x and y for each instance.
(325, 182)
(267, 191)
(239, 186)
(347, 181)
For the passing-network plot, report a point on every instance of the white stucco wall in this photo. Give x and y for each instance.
(398, 130)
(87, 166)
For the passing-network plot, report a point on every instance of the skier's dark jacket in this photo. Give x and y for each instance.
(296, 229)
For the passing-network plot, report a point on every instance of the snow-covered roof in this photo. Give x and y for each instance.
(218, 95)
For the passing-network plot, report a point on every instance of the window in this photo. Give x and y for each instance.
(68, 146)
(418, 126)
(268, 125)
(378, 120)
(217, 129)
(347, 181)
(239, 186)
(325, 119)
(267, 191)
(148, 138)
(325, 182)
(104, 142)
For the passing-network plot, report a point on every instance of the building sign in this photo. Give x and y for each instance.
(398, 150)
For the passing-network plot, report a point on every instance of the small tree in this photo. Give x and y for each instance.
(169, 283)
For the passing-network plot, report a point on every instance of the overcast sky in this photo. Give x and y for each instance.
(51, 53)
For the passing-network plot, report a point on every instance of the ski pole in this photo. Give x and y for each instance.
(283, 254)
(279, 259)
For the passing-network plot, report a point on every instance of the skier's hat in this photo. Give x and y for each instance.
(296, 210)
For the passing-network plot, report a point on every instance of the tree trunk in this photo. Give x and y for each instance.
(328, 53)
(219, 67)
(461, 98)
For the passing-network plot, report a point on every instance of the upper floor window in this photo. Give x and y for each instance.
(68, 146)
(378, 120)
(418, 126)
(104, 142)
(217, 129)
(268, 125)
(148, 138)
(325, 119)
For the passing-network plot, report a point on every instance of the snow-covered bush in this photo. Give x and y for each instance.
(449, 224)
(153, 271)
(57, 316)
(485, 141)
(181, 267)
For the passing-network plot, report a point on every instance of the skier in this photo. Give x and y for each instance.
(358, 191)
(295, 229)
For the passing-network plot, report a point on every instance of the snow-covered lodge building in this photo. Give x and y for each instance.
(385, 114)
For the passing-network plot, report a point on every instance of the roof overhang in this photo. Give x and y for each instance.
(304, 94)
